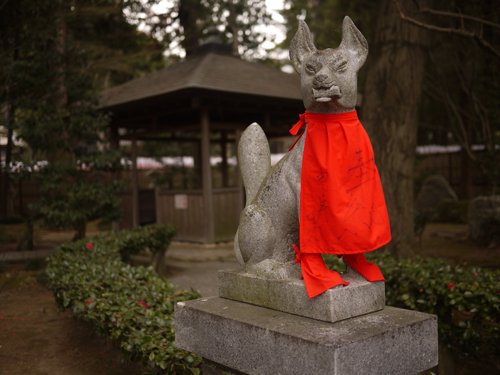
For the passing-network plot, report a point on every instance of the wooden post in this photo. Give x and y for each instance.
(208, 202)
(241, 188)
(223, 147)
(115, 145)
(157, 204)
(135, 185)
(114, 137)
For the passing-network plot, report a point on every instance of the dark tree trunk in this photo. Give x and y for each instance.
(233, 26)
(187, 19)
(391, 98)
(80, 230)
(26, 242)
(5, 188)
(10, 111)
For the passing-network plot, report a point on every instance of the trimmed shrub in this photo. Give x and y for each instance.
(130, 304)
(465, 299)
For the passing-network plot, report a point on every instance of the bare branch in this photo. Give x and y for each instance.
(454, 112)
(459, 15)
(467, 34)
(3, 4)
(480, 111)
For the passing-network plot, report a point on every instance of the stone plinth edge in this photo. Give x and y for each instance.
(342, 302)
(258, 341)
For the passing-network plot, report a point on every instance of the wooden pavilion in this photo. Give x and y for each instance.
(214, 95)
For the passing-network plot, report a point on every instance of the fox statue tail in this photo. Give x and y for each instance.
(254, 158)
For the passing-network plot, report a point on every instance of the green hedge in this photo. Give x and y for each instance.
(465, 299)
(131, 242)
(130, 304)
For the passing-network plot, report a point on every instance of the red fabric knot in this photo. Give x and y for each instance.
(298, 255)
(299, 125)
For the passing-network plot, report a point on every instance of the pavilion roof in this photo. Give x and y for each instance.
(212, 71)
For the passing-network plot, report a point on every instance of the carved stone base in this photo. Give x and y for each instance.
(239, 338)
(342, 302)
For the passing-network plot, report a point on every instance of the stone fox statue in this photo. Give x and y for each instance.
(324, 196)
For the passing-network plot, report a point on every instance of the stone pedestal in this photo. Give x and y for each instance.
(342, 302)
(238, 337)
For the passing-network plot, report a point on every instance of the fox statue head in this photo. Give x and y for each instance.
(329, 77)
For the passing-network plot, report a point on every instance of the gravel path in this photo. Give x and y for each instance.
(200, 276)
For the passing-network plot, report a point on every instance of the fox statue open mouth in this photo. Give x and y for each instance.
(326, 94)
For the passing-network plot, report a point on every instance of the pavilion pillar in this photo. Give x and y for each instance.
(208, 200)
(239, 179)
(135, 185)
(114, 137)
(115, 145)
(223, 146)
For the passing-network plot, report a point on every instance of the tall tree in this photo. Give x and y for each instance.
(56, 114)
(12, 18)
(462, 80)
(392, 93)
(117, 51)
(186, 23)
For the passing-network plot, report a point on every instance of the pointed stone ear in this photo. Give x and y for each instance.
(354, 42)
(301, 46)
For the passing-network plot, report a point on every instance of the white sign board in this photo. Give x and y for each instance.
(181, 201)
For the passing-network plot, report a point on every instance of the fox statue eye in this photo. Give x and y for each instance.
(342, 67)
(310, 68)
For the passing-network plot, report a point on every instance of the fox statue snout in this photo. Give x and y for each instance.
(329, 77)
(269, 224)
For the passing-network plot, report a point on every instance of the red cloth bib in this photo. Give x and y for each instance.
(342, 205)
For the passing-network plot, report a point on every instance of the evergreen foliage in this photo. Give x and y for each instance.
(129, 304)
(116, 50)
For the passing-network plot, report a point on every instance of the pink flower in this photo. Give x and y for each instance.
(144, 304)
(89, 302)
(89, 246)
(124, 279)
(475, 274)
(450, 286)
(421, 290)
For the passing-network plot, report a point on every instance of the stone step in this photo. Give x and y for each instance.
(249, 339)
